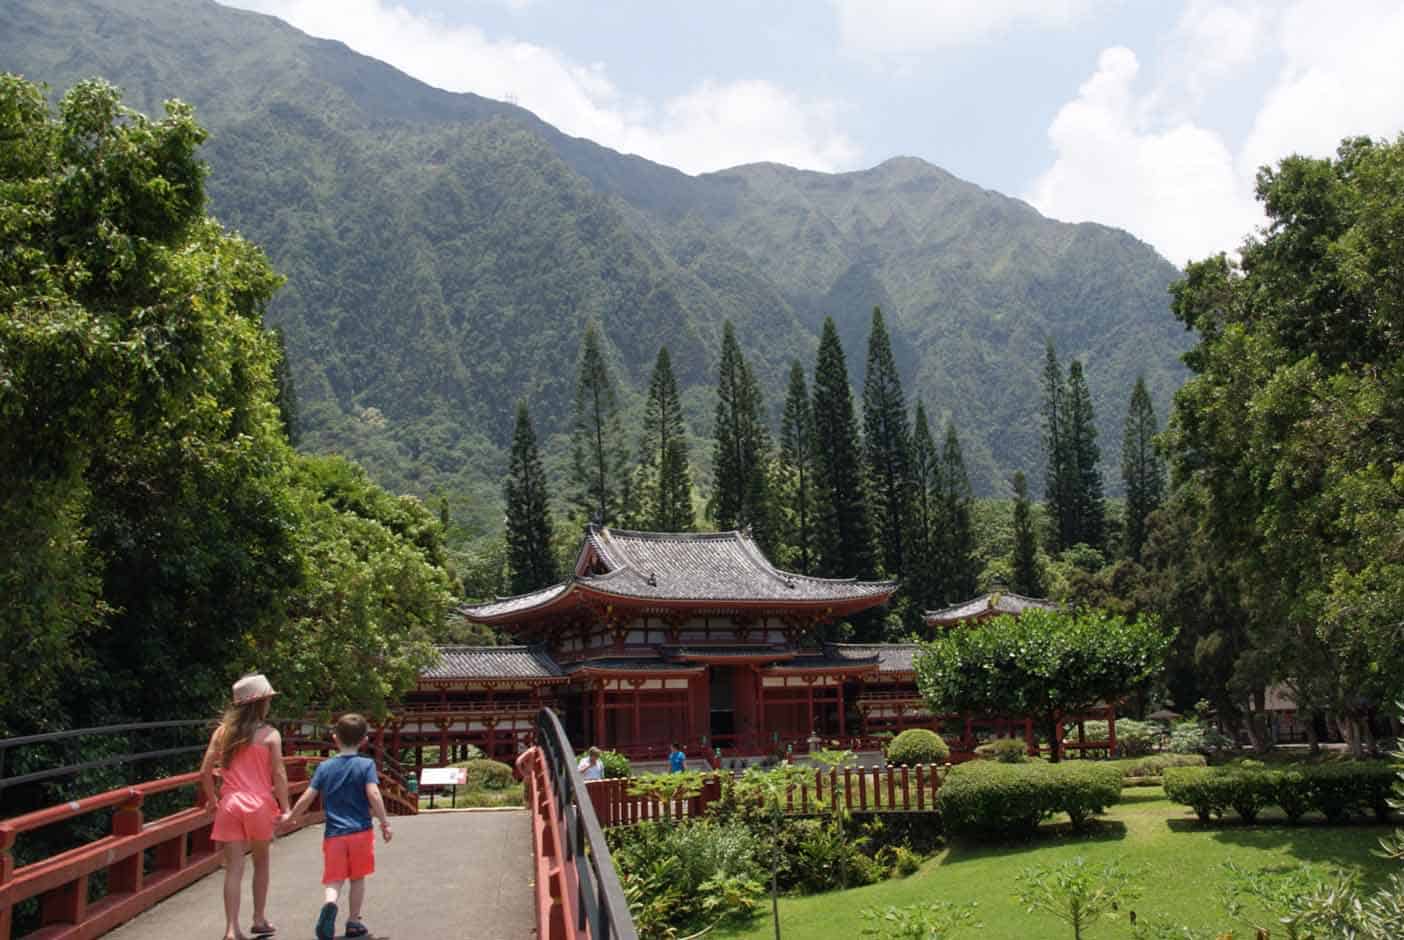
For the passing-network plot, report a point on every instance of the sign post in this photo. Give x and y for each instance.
(443, 777)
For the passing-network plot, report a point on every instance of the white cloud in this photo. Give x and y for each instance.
(715, 125)
(897, 27)
(1141, 161)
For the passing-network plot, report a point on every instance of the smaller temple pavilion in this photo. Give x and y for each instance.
(985, 607)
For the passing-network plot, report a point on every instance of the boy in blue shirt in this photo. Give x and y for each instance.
(677, 760)
(350, 791)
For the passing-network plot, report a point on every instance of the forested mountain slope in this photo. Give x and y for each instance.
(444, 251)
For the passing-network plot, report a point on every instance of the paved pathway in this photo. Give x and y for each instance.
(446, 876)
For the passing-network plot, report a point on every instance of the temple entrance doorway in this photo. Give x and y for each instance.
(721, 681)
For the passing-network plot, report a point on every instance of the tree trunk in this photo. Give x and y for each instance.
(1372, 746)
(1352, 732)
(1313, 742)
(1055, 745)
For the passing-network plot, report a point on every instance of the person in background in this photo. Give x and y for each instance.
(590, 766)
(253, 787)
(677, 760)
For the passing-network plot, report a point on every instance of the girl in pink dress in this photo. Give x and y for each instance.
(253, 789)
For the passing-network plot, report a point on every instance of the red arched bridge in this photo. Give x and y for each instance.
(136, 859)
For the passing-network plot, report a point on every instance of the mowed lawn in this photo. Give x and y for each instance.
(1181, 865)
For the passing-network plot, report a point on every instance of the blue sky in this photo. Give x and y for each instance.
(1152, 116)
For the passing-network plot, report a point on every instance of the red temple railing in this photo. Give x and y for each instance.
(860, 790)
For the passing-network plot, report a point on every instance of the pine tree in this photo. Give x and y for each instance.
(741, 457)
(598, 455)
(664, 485)
(887, 448)
(797, 470)
(1142, 469)
(962, 574)
(529, 555)
(1057, 482)
(1028, 580)
(286, 400)
(1085, 463)
(842, 536)
(922, 581)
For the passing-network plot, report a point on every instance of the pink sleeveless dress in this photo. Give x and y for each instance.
(247, 807)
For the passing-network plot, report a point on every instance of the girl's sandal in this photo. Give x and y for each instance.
(263, 930)
(354, 928)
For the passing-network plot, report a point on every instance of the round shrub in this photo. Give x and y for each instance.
(1004, 750)
(484, 774)
(615, 764)
(918, 746)
(1157, 764)
(986, 798)
(1190, 737)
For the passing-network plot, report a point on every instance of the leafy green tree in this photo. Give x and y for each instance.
(1089, 525)
(797, 467)
(1028, 579)
(887, 448)
(1142, 469)
(1058, 477)
(664, 490)
(740, 463)
(1287, 437)
(598, 455)
(1041, 664)
(529, 555)
(922, 583)
(956, 543)
(843, 537)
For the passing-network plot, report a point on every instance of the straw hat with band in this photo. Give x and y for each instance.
(253, 688)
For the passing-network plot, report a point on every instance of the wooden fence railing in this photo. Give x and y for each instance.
(859, 789)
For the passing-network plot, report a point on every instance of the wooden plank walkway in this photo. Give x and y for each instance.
(446, 876)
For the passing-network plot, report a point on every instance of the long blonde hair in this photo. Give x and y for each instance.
(237, 727)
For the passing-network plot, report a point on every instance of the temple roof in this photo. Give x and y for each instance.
(891, 657)
(684, 569)
(987, 605)
(493, 662)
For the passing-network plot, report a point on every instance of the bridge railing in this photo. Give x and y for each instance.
(138, 863)
(578, 894)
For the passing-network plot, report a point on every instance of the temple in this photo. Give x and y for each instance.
(688, 638)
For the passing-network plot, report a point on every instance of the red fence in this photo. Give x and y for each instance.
(859, 789)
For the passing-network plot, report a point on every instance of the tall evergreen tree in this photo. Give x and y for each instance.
(1057, 476)
(922, 581)
(1142, 469)
(797, 469)
(1028, 579)
(598, 455)
(843, 538)
(741, 456)
(1085, 462)
(286, 400)
(887, 448)
(961, 570)
(664, 487)
(529, 555)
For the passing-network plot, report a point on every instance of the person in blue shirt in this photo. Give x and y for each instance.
(350, 791)
(677, 760)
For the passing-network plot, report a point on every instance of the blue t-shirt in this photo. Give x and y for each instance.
(342, 781)
(677, 762)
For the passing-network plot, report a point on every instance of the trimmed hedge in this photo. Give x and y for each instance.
(918, 746)
(484, 774)
(1004, 750)
(615, 765)
(985, 798)
(1336, 791)
(1157, 764)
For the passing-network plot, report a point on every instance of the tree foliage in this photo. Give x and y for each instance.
(796, 497)
(663, 485)
(1142, 469)
(529, 553)
(1028, 579)
(1288, 439)
(1041, 664)
(598, 455)
(157, 535)
(741, 455)
(887, 448)
(844, 539)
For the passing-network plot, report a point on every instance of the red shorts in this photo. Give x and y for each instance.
(350, 857)
(244, 817)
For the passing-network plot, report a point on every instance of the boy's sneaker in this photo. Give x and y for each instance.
(354, 928)
(326, 922)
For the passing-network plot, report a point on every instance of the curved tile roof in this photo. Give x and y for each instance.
(493, 662)
(683, 567)
(998, 602)
(891, 657)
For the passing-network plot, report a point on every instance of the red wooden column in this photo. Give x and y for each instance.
(638, 733)
(809, 700)
(7, 872)
(1111, 730)
(843, 728)
(599, 713)
(443, 743)
(1029, 740)
(126, 876)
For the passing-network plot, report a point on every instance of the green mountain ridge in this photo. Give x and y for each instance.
(444, 252)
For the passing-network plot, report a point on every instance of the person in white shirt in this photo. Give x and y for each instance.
(590, 766)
